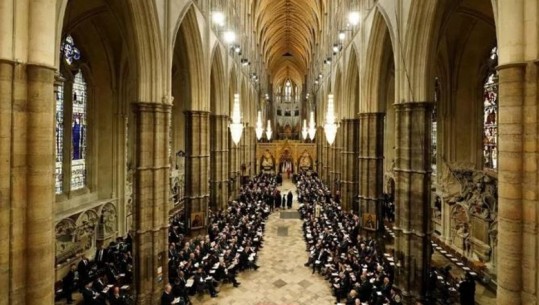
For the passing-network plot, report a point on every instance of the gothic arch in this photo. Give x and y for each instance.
(377, 49)
(188, 56)
(217, 88)
(138, 27)
(351, 83)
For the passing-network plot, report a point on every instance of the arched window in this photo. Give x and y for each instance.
(490, 113)
(434, 126)
(71, 121)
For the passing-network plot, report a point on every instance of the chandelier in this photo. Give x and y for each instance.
(259, 130)
(236, 127)
(304, 131)
(331, 126)
(269, 132)
(312, 126)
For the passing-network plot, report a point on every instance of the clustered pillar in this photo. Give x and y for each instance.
(413, 180)
(349, 157)
(219, 161)
(151, 200)
(198, 161)
(371, 166)
(511, 197)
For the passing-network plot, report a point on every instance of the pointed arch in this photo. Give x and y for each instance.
(377, 49)
(351, 83)
(187, 53)
(217, 79)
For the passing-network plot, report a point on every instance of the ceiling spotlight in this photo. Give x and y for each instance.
(336, 48)
(342, 35)
(237, 49)
(229, 36)
(320, 76)
(327, 61)
(218, 18)
(244, 62)
(353, 18)
(316, 82)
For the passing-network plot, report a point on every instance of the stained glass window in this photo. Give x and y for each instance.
(69, 51)
(490, 113)
(59, 137)
(71, 112)
(434, 126)
(78, 135)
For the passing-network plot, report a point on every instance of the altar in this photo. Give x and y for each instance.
(285, 157)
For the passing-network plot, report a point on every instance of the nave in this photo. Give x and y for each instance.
(282, 277)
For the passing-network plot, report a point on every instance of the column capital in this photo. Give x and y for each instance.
(151, 107)
(414, 105)
(512, 65)
(197, 112)
(370, 114)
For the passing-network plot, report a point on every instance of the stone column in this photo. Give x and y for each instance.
(152, 191)
(371, 164)
(349, 165)
(197, 166)
(233, 168)
(336, 162)
(6, 101)
(511, 198)
(40, 243)
(219, 161)
(413, 180)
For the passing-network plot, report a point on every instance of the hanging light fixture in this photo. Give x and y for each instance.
(269, 132)
(312, 127)
(259, 130)
(304, 131)
(331, 126)
(236, 127)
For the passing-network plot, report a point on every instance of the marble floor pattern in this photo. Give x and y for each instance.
(282, 279)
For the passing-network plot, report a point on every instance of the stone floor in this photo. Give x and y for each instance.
(282, 278)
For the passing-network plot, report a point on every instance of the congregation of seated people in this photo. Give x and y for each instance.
(105, 279)
(235, 235)
(352, 262)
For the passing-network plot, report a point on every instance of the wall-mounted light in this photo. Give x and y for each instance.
(218, 18)
(337, 47)
(354, 18)
(229, 36)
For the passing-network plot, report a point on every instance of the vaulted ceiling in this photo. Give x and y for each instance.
(287, 32)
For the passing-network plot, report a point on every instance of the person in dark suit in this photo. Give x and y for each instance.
(289, 199)
(90, 296)
(167, 298)
(116, 298)
(283, 202)
(69, 282)
(101, 256)
(83, 269)
(99, 284)
(277, 199)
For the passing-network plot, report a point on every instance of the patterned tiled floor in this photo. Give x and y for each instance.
(282, 279)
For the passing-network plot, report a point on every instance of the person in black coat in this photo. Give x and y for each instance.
(116, 298)
(69, 282)
(167, 298)
(289, 199)
(83, 269)
(284, 202)
(467, 290)
(277, 200)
